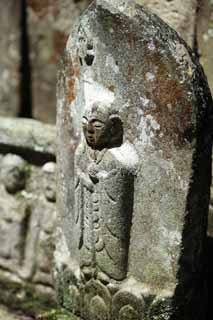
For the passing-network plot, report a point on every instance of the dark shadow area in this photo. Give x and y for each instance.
(25, 109)
(190, 301)
(209, 276)
(33, 157)
(191, 295)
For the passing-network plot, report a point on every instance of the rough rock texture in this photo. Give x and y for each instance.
(10, 57)
(6, 314)
(27, 213)
(30, 136)
(179, 14)
(134, 119)
(205, 38)
(49, 24)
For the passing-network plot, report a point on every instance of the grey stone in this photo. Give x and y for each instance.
(27, 212)
(134, 155)
(49, 24)
(27, 226)
(10, 57)
(49, 170)
(13, 173)
(7, 314)
(28, 135)
(13, 215)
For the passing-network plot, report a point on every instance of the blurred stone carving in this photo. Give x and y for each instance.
(27, 212)
(14, 173)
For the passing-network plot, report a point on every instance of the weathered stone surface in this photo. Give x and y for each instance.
(181, 15)
(9, 315)
(27, 134)
(13, 217)
(10, 57)
(27, 212)
(205, 38)
(13, 173)
(134, 153)
(49, 24)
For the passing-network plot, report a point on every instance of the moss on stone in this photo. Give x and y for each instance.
(57, 314)
(22, 296)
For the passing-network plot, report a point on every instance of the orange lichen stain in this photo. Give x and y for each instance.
(172, 109)
(71, 96)
(111, 88)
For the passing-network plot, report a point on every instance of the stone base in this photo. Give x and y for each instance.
(101, 298)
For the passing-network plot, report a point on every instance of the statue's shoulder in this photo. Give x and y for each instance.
(125, 156)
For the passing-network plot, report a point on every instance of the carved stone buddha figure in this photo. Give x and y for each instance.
(134, 189)
(105, 168)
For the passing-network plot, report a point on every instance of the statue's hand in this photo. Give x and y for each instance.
(93, 172)
(87, 182)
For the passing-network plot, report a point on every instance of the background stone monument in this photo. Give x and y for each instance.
(27, 215)
(10, 58)
(49, 25)
(134, 154)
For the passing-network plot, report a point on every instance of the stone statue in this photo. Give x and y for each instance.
(133, 191)
(105, 168)
(14, 173)
(104, 191)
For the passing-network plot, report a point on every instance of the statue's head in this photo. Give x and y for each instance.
(13, 173)
(102, 127)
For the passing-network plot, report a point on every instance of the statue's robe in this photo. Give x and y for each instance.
(103, 207)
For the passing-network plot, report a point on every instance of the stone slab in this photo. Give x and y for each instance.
(134, 155)
(27, 134)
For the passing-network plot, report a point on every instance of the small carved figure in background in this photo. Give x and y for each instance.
(14, 173)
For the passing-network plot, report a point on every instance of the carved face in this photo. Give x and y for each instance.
(102, 128)
(96, 132)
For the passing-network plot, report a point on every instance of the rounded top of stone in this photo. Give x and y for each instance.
(14, 173)
(118, 5)
(13, 160)
(49, 167)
